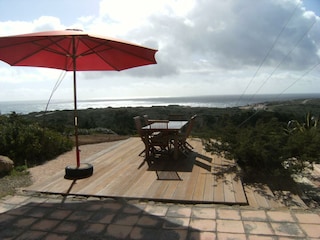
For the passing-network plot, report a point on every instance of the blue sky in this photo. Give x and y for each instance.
(205, 47)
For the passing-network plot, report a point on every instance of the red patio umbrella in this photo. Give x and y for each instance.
(73, 50)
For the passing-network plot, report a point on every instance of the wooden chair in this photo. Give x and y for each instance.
(154, 143)
(176, 117)
(138, 124)
(184, 146)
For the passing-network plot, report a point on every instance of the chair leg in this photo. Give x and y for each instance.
(189, 145)
(143, 151)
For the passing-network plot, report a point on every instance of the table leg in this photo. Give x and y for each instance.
(146, 146)
(175, 147)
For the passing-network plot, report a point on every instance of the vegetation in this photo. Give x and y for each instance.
(279, 138)
(19, 177)
(266, 142)
(27, 143)
(277, 141)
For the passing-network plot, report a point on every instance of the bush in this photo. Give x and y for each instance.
(265, 145)
(28, 143)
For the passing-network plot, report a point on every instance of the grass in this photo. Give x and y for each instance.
(17, 178)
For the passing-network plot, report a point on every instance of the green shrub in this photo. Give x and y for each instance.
(264, 144)
(28, 143)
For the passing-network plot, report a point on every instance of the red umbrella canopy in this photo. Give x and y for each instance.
(73, 50)
(59, 49)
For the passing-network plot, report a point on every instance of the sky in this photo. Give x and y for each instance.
(205, 47)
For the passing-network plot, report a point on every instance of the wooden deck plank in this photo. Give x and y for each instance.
(228, 189)
(238, 188)
(249, 190)
(260, 196)
(105, 177)
(209, 187)
(170, 190)
(199, 189)
(218, 193)
(121, 172)
(158, 189)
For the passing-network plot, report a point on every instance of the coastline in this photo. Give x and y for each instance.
(214, 101)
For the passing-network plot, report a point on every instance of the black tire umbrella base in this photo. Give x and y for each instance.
(85, 170)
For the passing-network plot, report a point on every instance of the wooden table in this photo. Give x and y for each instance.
(168, 127)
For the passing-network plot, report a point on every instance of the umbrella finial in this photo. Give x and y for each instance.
(74, 29)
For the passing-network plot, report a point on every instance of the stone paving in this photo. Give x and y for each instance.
(31, 216)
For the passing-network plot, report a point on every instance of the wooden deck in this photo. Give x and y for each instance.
(119, 171)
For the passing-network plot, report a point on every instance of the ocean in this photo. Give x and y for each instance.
(218, 101)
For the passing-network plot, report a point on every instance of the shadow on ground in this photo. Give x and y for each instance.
(97, 219)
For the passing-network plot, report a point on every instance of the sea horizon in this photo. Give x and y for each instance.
(211, 101)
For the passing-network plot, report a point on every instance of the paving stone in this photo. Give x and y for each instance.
(118, 231)
(144, 233)
(179, 211)
(308, 217)
(287, 229)
(157, 210)
(32, 235)
(131, 210)
(112, 206)
(45, 225)
(228, 236)
(202, 236)
(95, 228)
(60, 214)
(229, 226)
(61, 218)
(176, 234)
(207, 213)
(54, 236)
(312, 230)
(257, 228)
(232, 214)
(82, 216)
(102, 217)
(203, 224)
(280, 216)
(262, 237)
(24, 222)
(126, 219)
(150, 221)
(176, 223)
(67, 227)
(254, 215)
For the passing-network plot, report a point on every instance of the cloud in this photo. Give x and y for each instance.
(43, 23)
(217, 44)
(231, 35)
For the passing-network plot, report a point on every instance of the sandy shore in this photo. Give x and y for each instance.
(46, 170)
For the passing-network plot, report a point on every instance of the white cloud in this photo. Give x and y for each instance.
(205, 47)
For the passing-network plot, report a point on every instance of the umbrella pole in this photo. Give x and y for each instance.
(75, 111)
(76, 120)
(85, 170)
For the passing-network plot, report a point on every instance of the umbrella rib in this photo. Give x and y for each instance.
(136, 55)
(93, 51)
(46, 47)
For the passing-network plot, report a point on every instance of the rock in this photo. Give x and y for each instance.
(6, 164)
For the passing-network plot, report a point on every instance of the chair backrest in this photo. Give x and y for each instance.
(176, 117)
(145, 120)
(189, 126)
(137, 121)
